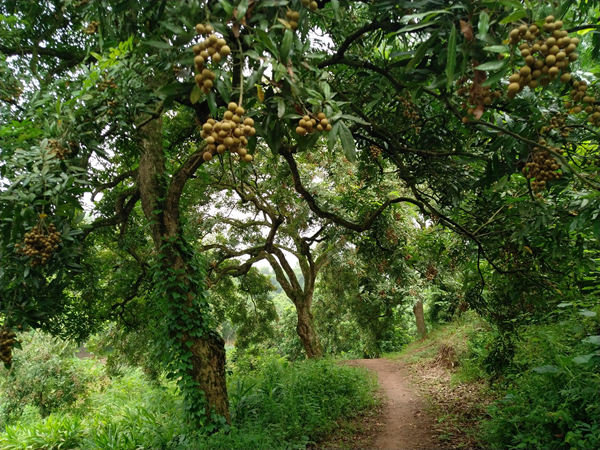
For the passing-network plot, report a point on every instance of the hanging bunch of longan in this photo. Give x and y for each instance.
(230, 134)
(40, 242)
(479, 97)
(312, 5)
(410, 112)
(107, 83)
(547, 54)
(308, 124)
(583, 101)
(557, 123)
(541, 168)
(7, 342)
(292, 17)
(375, 151)
(56, 148)
(92, 27)
(213, 48)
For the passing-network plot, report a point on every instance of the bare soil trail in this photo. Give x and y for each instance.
(406, 425)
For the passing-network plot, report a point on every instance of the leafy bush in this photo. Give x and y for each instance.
(278, 405)
(553, 399)
(288, 405)
(45, 375)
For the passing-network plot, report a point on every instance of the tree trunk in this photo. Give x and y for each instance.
(207, 351)
(208, 370)
(420, 319)
(306, 331)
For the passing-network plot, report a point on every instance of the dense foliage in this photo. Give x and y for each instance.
(382, 157)
(276, 404)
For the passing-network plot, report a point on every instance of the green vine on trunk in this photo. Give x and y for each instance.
(183, 300)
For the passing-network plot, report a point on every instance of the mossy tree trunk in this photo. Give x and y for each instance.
(160, 202)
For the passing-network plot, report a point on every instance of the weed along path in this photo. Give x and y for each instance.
(406, 426)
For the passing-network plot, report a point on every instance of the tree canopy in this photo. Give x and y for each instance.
(124, 121)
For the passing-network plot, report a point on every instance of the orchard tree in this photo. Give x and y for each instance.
(484, 110)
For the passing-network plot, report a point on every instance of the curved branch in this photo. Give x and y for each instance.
(113, 182)
(365, 224)
(122, 211)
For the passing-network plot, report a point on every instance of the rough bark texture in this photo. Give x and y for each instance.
(209, 372)
(420, 319)
(306, 331)
(208, 351)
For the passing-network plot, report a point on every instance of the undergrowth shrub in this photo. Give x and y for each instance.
(278, 405)
(44, 375)
(289, 405)
(553, 395)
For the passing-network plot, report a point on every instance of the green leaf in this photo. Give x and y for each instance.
(241, 9)
(227, 7)
(266, 40)
(519, 14)
(546, 369)
(158, 44)
(286, 44)
(497, 48)
(492, 65)
(354, 119)
(425, 15)
(494, 79)
(335, 5)
(280, 107)
(348, 143)
(592, 340)
(333, 135)
(421, 51)
(451, 58)
(587, 313)
(196, 94)
(212, 103)
(484, 24)
(584, 359)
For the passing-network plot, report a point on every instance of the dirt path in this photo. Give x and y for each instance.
(406, 425)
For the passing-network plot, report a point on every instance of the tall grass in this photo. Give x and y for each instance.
(279, 405)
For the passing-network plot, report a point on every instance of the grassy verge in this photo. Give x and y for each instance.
(545, 394)
(279, 405)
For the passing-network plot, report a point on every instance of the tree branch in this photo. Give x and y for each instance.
(365, 224)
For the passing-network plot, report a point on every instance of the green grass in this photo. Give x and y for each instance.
(281, 405)
(455, 335)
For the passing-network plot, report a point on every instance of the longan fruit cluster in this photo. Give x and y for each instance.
(58, 149)
(105, 84)
(586, 102)
(479, 97)
(312, 5)
(40, 243)
(230, 134)
(375, 151)
(409, 111)
(293, 17)
(214, 48)
(7, 342)
(308, 124)
(542, 168)
(556, 123)
(92, 28)
(547, 55)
